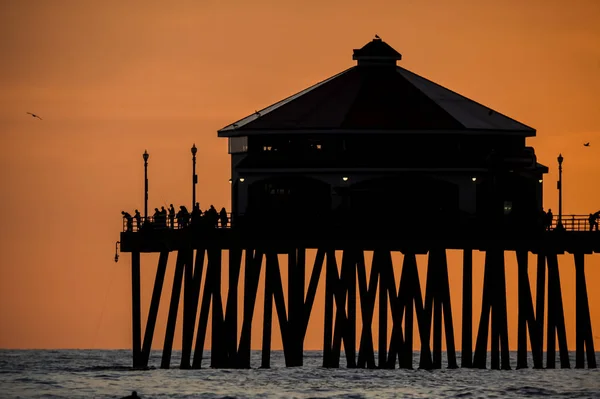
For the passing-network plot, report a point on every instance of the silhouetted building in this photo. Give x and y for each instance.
(383, 145)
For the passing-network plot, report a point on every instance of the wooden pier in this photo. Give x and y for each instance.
(347, 286)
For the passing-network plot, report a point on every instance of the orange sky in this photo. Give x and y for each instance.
(114, 78)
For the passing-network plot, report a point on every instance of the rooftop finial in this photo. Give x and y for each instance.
(376, 52)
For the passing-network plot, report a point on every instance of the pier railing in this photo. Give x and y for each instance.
(153, 223)
(569, 222)
(572, 222)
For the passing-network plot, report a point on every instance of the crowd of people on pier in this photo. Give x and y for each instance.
(170, 219)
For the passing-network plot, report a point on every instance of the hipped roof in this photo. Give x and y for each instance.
(380, 97)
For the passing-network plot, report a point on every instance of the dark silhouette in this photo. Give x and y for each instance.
(133, 395)
(548, 221)
(593, 219)
(156, 217)
(172, 216)
(586, 144)
(34, 115)
(223, 217)
(183, 217)
(138, 219)
(163, 217)
(212, 216)
(129, 219)
(196, 214)
(283, 197)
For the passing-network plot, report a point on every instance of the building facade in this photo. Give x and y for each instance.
(380, 145)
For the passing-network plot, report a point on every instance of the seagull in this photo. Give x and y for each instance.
(377, 37)
(586, 144)
(34, 115)
(235, 125)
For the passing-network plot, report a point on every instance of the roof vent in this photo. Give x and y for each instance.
(376, 52)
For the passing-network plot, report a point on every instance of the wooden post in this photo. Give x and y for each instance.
(192, 277)
(556, 318)
(583, 330)
(253, 264)
(136, 316)
(466, 360)
(154, 304)
(173, 308)
(366, 354)
(526, 318)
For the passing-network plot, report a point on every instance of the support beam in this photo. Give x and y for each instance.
(182, 257)
(494, 304)
(345, 316)
(296, 281)
(253, 265)
(192, 277)
(136, 313)
(540, 293)
(154, 305)
(526, 318)
(382, 261)
(267, 318)
(437, 302)
(366, 353)
(315, 277)
(330, 281)
(218, 351)
(466, 360)
(211, 295)
(408, 298)
(556, 317)
(584, 339)
(231, 310)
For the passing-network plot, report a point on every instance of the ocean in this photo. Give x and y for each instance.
(108, 374)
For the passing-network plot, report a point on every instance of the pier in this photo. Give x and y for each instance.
(421, 172)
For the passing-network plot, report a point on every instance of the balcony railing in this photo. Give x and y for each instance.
(573, 223)
(152, 223)
(569, 222)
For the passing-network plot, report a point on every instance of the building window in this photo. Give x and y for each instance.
(315, 145)
(238, 144)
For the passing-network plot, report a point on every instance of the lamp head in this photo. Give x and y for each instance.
(194, 149)
(560, 159)
(146, 156)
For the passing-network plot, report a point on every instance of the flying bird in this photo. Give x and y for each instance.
(586, 144)
(34, 115)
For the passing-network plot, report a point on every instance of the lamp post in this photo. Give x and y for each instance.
(145, 185)
(194, 176)
(559, 224)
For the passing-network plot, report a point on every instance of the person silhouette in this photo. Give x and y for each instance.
(129, 219)
(138, 219)
(548, 221)
(223, 217)
(172, 216)
(133, 395)
(593, 219)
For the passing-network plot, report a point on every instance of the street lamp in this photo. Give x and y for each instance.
(559, 224)
(145, 156)
(194, 176)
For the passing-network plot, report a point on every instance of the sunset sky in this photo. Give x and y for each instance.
(114, 78)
